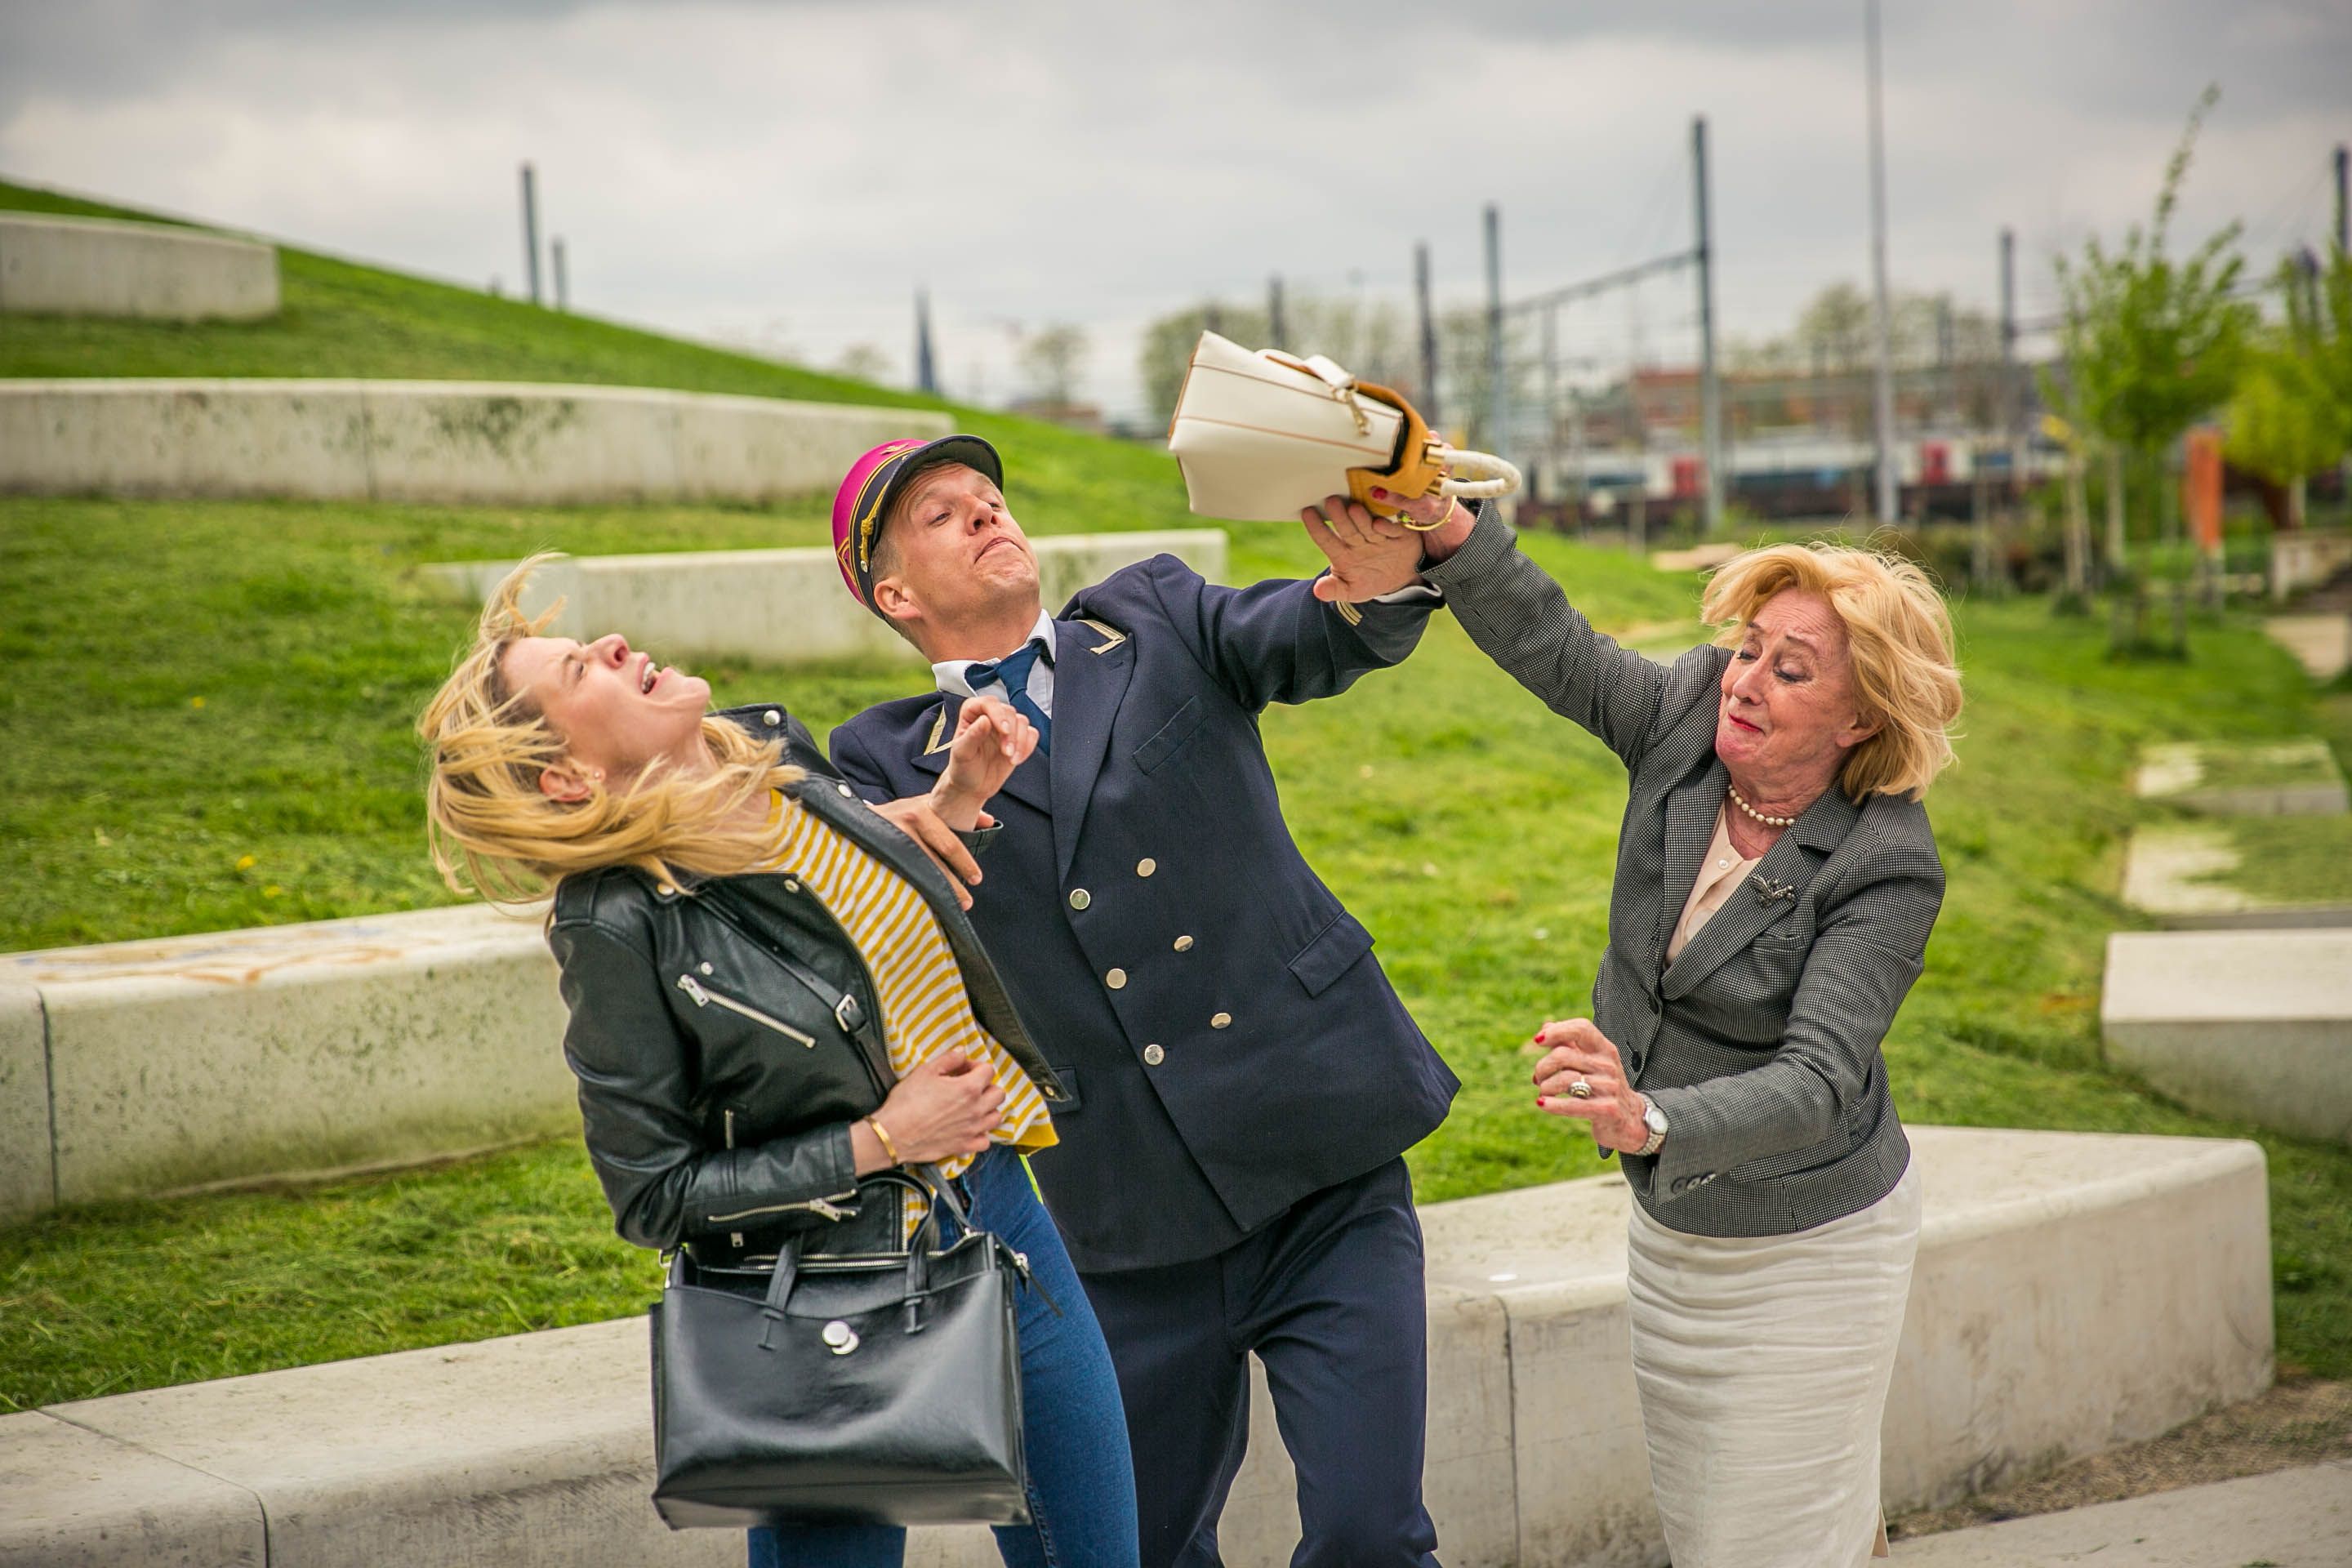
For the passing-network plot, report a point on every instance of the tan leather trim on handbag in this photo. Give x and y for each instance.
(1414, 469)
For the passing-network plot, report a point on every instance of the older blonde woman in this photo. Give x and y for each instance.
(1776, 882)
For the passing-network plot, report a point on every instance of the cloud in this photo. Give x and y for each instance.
(800, 169)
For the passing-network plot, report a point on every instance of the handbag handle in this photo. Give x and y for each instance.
(922, 1180)
(1497, 476)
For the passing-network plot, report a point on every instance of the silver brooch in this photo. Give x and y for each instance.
(1770, 893)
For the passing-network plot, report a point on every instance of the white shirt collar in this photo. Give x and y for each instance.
(950, 673)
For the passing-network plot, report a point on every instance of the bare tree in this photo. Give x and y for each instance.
(863, 362)
(1050, 358)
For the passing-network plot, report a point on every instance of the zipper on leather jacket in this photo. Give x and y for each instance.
(825, 1206)
(703, 996)
(829, 1209)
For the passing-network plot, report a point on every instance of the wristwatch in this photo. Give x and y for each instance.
(1656, 1121)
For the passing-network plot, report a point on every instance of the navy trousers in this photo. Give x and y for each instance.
(1330, 1297)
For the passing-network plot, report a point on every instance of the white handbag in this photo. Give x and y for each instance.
(1262, 436)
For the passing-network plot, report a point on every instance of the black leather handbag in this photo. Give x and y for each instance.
(877, 1388)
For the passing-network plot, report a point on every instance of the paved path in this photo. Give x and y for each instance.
(2290, 1519)
(2322, 643)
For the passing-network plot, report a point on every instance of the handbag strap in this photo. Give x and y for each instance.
(1499, 477)
(1341, 382)
(925, 1179)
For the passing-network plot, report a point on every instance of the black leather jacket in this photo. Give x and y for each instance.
(717, 1089)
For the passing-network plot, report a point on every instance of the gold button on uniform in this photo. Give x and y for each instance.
(1080, 897)
(1183, 944)
(1115, 979)
(1145, 866)
(1221, 1020)
(1153, 1055)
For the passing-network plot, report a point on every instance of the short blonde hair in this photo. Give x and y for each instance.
(1898, 640)
(494, 831)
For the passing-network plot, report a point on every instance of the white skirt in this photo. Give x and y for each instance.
(1763, 1364)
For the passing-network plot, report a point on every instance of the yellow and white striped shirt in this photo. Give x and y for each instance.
(924, 1008)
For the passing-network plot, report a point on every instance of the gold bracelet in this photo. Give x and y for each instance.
(888, 1147)
(1443, 519)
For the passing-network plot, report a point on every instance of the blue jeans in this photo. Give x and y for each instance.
(1081, 1480)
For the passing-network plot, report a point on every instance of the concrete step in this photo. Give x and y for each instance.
(2272, 778)
(508, 442)
(2073, 1291)
(140, 1067)
(783, 606)
(2186, 876)
(2254, 1026)
(2290, 1518)
(58, 265)
(2322, 643)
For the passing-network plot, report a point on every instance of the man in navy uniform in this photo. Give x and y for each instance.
(1241, 1079)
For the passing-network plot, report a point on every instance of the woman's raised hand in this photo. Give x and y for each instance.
(947, 1106)
(1576, 1051)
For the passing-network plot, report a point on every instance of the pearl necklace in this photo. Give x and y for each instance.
(1767, 821)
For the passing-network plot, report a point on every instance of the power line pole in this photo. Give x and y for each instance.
(2343, 198)
(1551, 396)
(531, 230)
(926, 372)
(2012, 386)
(1710, 388)
(1885, 412)
(1498, 395)
(1428, 331)
(1277, 329)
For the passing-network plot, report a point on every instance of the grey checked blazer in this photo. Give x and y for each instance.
(1761, 1042)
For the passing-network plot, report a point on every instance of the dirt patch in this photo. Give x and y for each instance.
(2300, 1421)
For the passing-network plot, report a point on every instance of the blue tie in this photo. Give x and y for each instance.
(1013, 671)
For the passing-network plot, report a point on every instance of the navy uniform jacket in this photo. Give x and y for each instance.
(1226, 1040)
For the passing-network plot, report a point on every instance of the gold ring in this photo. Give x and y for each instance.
(1579, 1089)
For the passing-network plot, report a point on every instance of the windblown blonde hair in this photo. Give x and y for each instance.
(1898, 637)
(494, 831)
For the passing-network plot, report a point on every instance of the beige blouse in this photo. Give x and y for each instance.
(1720, 876)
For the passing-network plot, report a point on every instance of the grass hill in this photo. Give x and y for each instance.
(339, 318)
(206, 726)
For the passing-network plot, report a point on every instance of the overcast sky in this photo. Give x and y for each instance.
(793, 172)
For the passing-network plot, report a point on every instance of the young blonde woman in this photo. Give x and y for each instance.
(698, 882)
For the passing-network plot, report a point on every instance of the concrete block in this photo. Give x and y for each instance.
(28, 1179)
(522, 444)
(2255, 1025)
(2286, 778)
(534, 1451)
(2073, 1291)
(79, 1499)
(2171, 874)
(297, 1048)
(764, 449)
(53, 265)
(782, 606)
(541, 446)
(2305, 557)
(157, 437)
(2322, 643)
(1554, 1258)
